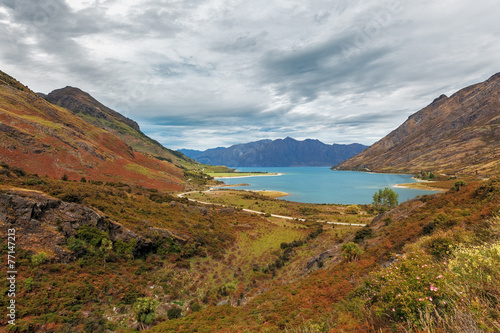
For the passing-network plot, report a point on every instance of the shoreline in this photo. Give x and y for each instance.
(247, 176)
(271, 193)
(416, 187)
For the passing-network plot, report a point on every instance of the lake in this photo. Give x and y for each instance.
(322, 185)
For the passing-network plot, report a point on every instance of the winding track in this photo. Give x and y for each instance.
(181, 195)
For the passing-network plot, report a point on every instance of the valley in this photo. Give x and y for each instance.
(115, 233)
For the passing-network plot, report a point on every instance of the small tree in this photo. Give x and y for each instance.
(387, 198)
(145, 311)
(38, 259)
(351, 251)
(105, 249)
(459, 184)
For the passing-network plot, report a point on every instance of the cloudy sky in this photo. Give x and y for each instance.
(207, 73)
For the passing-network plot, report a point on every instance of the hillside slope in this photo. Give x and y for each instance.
(277, 153)
(49, 140)
(97, 114)
(459, 134)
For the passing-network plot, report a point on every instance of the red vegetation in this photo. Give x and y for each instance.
(48, 140)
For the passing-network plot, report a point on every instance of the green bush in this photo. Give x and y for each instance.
(145, 310)
(91, 235)
(413, 284)
(174, 313)
(362, 234)
(351, 251)
(28, 284)
(38, 259)
(352, 209)
(71, 197)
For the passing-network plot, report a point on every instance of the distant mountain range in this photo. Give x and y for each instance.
(286, 152)
(457, 134)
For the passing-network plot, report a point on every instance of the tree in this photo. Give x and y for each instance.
(145, 311)
(351, 251)
(459, 184)
(387, 198)
(105, 249)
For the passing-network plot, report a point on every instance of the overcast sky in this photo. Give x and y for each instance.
(206, 73)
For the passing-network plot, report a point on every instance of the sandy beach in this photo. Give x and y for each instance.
(418, 187)
(257, 175)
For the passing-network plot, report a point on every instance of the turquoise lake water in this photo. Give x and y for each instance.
(322, 185)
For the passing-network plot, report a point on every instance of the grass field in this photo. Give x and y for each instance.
(263, 203)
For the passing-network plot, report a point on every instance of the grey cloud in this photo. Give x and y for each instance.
(217, 71)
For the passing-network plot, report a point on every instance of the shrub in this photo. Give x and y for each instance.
(362, 234)
(91, 235)
(195, 306)
(5, 172)
(38, 259)
(459, 184)
(94, 325)
(174, 313)
(351, 251)
(18, 172)
(77, 246)
(145, 311)
(71, 197)
(352, 209)
(413, 284)
(28, 284)
(125, 249)
(439, 245)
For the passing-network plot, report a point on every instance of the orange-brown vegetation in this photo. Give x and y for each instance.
(49, 140)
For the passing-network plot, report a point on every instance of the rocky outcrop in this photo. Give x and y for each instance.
(43, 222)
(319, 260)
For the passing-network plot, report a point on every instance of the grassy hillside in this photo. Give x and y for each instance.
(94, 250)
(428, 265)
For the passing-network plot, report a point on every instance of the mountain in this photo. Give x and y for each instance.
(191, 153)
(97, 114)
(278, 153)
(47, 139)
(457, 134)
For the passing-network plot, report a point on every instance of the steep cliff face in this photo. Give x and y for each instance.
(459, 134)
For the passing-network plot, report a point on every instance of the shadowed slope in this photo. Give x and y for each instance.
(459, 134)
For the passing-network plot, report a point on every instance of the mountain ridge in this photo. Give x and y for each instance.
(456, 134)
(94, 112)
(276, 153)
(47, 139)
